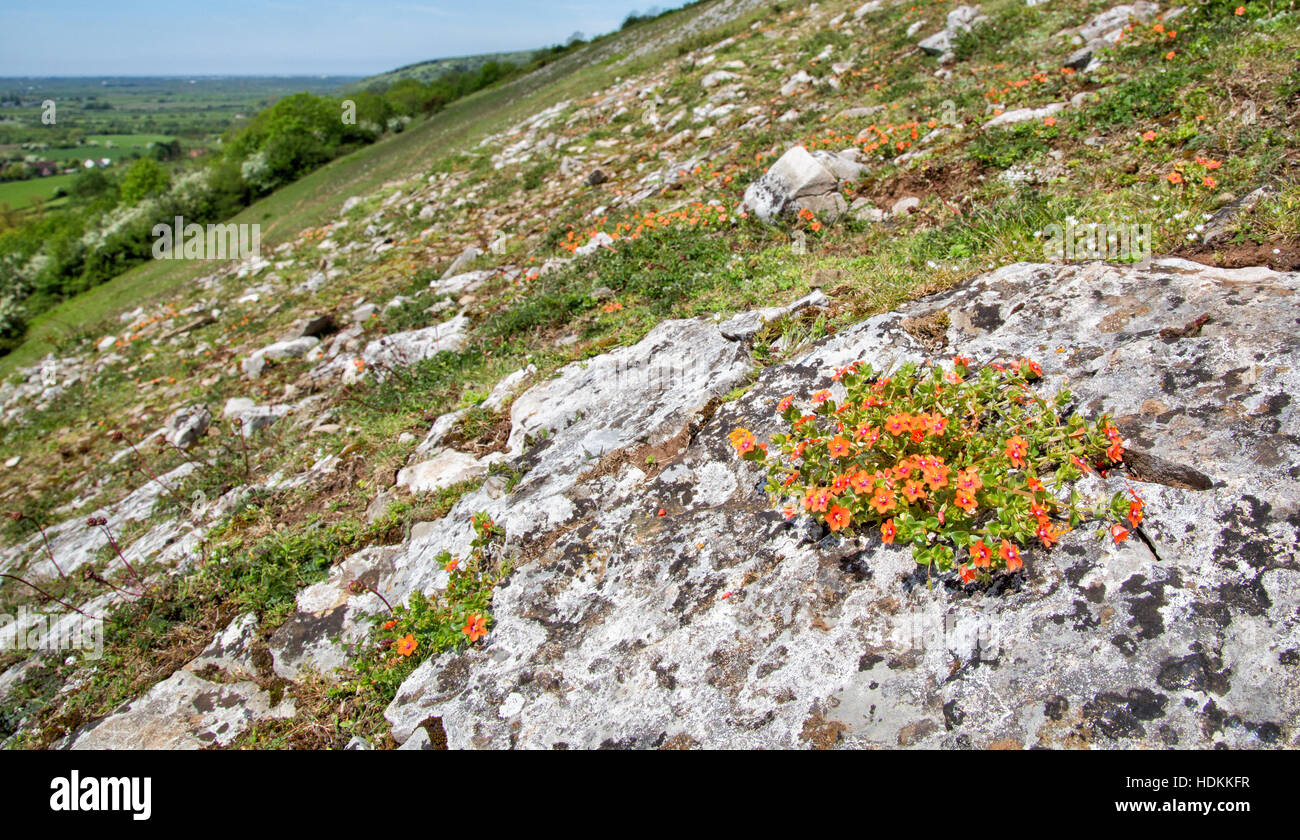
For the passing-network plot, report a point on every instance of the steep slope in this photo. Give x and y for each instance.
(488, 399)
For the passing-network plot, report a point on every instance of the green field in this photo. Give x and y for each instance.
(21, 194)
(124, 145)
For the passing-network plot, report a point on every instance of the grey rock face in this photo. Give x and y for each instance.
(457, 265)
(797, 181)
(960, 19)
(313, 326)
(719, 624)
(182, 712)
(252, 417)
(1019, 115)
(292, 349)
(1107, 24)
(744, 326)
(186, 425)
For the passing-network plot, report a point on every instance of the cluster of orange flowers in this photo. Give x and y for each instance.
(1207, 165)
(940, 463)
(699, 214)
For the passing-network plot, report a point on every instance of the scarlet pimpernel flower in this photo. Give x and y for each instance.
(475, 627)
(967, 466)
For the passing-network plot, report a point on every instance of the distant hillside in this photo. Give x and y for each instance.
(425, 71)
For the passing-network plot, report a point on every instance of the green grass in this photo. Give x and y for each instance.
(22, 194)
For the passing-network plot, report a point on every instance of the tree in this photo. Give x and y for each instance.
(145, 178)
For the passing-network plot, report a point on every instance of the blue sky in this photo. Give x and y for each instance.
(296, 37)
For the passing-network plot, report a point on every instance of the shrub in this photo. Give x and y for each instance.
(966, 471)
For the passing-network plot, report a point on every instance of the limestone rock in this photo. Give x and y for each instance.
(797, 181)
(720, 624)
(183, 712)
(744, 326)
(186, 425)
(444, 469)
(293, 349)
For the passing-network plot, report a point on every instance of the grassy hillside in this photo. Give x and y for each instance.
(425, 71)
(317, 197)
(961, 162)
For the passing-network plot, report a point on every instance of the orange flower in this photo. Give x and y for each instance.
(936, 476)
(839, 448)
(1049, 121)
(980, 554)
(860, 481)
(965, 501)
(887, 532)
(785, 403)
(407, 645)
(967, 573)
(1135, 513)
(913, 491)
(475, 627)
(1239, 11)
(1017, 449)
(1011, 555)
(1169, 56)
(1175, 177)
(838, 518)
(897, 424)
(389, 625)
(817, 498)
(969, 480)
(821, 396)
(1118, 533)
(742, 440)
(867, 434)
(1148, 135)
(882, 500)
(452, 564)
(1209, 181)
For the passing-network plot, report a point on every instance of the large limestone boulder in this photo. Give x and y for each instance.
(719, 624)
(568, 435)
(797, 181)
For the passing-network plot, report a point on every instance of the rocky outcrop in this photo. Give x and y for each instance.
(959, 20)
(796, 182)
(1105, 30)
(183, 712)
(293, 349)
(186, 425)
(719, 624)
